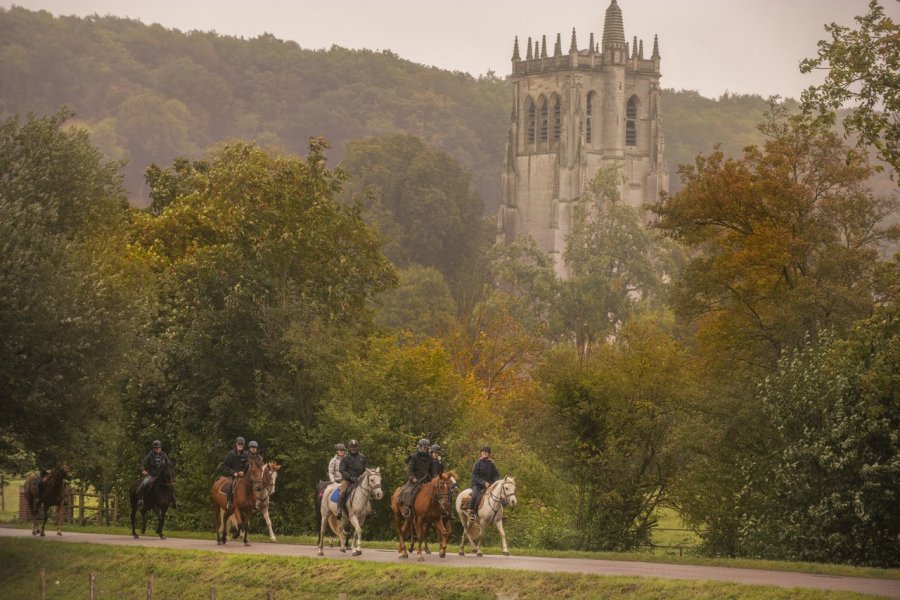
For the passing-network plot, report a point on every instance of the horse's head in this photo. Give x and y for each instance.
(167, 475)
(443, 487)
(453, 476)
(271, 474)
(371, 481)
(62, 472)
(256, 475)
(507, 491)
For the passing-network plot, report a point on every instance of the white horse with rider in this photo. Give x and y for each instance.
(495, 499)
(358, 507)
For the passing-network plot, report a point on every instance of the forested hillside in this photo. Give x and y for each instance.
(148, 94)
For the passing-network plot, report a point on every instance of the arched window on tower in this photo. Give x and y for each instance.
(589, 117)
(556, 113)
(631, 122)
(542, 108)
(529, 117)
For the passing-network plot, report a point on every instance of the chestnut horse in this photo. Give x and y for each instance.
(52, 493)
(270, 475)
(249, 491)
(158, 497)
(431, 506)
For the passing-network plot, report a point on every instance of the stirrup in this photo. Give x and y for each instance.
(229, 506)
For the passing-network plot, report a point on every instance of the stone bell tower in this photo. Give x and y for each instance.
(573, 114)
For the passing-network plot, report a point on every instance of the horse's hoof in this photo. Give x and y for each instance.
(43, 534)
(321, 553)
(357, 552)
(421, 559)
(479, 555)
(442, 554)
(343, 549)
(404, 556)
(162, 537)
(271, 540)
(246, 543)
(135, 536)
(462, 553)
(428, 552)
(506, 554)
(219, 542)
(59, 533)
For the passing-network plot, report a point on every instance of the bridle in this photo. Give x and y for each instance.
(436, 495)
(502, 499)
(368, 490)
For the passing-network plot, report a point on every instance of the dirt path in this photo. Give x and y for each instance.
(881, 587)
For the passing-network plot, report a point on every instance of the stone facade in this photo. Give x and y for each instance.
(573, 114)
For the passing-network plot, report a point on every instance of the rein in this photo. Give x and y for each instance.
(502, 500)
(437, 498)
(368, 490)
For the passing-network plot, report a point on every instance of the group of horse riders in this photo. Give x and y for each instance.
(347, 465)
(423, 465)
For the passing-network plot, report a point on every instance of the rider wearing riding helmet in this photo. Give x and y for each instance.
(419, 470)
(334, 465)
(437, 459)
(353, 465)
(254, 454)
(484, 473)
(236, 462)
(151, 467)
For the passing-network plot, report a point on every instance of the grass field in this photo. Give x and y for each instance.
(122, 573)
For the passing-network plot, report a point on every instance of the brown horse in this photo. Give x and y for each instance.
(431, 506)
(51, 493)
(249, 491)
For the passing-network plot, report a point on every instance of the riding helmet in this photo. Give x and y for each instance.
(340, 447)
(253, 445)
(486, 449)
(352, 444)
(424, 442)
(436, 449)
(239, 440)
(157, 444)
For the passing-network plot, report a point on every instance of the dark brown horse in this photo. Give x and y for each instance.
(249, 492)
(432, 504)
(158, 497)
(51, 493)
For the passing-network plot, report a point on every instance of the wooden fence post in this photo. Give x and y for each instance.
(41, 588)
(81, 506)
(342, 596)
(212, 593)
(92, 581)
(270, 595)
(3, 484)
(149, 586)
(115, 516)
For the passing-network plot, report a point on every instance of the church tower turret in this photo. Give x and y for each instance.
(573, 115)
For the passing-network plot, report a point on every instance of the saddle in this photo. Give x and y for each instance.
(336, 494)
(465, 504)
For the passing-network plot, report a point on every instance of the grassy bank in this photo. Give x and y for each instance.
(493, 548)
(122, 573)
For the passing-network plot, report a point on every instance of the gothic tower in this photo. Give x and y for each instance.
(573, 114)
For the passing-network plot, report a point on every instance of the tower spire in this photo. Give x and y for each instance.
(613, 27)
(557, 49)
(591, 47)
(515, 55)
(528, 54)
(655, 46)
(641, 53)
(573, 47)
(543, 46)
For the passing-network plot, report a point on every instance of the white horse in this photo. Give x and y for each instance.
(497, 496)
(270, 475)
(356, 509)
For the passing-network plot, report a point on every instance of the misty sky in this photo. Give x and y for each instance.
(712, 46)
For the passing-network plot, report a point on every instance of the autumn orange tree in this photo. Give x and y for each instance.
(786, 241)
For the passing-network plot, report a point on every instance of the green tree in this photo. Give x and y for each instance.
(863, 70)
(69, 296)
(421, 305)
(786, 242)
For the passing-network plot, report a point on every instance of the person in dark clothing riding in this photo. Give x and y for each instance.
(419, 470)
(353, 465)
(46, 463)
(236, 462)
(484, 473)
(151, 467)
(254, 454)
(437, 460)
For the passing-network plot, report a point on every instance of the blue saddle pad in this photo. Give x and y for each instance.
(336, 494)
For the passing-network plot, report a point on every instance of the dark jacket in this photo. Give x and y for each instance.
(235, 461)
(437, 467)
(419, 467)
(484, 472)
(353, 465)
(153, 462)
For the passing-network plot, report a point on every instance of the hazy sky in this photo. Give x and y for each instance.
(742, 46)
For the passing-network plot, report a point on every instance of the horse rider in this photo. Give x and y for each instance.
(419, 470)
(151, 467)
(254, 455)
(334, 465)
(438, 460)
(484, 473)
(352, 466)
(236, 462)
(46, 463)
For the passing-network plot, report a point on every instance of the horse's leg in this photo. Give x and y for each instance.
(160, 517)
(44, 525)
(323, 521)
(246, 526)
(144, 518)
(356, 540)
(221, 531)
(133, 517)
(265, 513)
(420, 534)
(401, 544)
(499, 524)
(427, 549)
(59, 517)
(442, 537)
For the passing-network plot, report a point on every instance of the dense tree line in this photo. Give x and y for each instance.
(736, 360)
